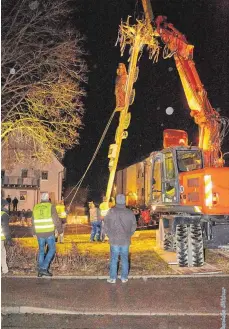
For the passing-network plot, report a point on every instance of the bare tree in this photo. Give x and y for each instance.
(42, 76)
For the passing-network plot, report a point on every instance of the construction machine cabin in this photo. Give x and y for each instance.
(185, 187)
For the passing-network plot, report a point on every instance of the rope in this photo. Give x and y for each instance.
(77, 186)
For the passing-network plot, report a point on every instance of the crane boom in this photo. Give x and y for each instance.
(148, 11)
(207, 119)
(203, 113)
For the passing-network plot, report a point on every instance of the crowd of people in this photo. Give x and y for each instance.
(116, 222)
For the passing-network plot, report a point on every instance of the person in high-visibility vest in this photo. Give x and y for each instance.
(45, 220)
(104, 208)
(62, 214)
(5, 236)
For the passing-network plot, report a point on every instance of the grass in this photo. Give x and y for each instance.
(77, 256)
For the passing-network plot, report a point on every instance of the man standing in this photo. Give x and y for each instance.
(45, 220)
(8, 199)
(62, 214)
(95, 222)
(5, 236)
(15, 202)
(119, 225)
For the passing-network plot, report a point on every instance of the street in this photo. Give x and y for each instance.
(44, 321)
(160, 302)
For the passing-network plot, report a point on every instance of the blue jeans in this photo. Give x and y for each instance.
(45, 260)
(115, 251)
(95, 230)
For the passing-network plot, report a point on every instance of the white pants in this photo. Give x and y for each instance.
(3, 258)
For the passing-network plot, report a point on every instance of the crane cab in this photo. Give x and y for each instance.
(167, 166)
(181, 183)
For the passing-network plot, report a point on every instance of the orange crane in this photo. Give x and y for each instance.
(189, 185)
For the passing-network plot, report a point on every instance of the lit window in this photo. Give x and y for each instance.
(24, 173)
(23, 195)
(44, 175)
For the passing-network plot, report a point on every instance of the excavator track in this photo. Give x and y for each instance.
(197, 252)
(182, 245)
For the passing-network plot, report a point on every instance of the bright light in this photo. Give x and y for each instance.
(33, 5)
(12, 71)
(169, 110)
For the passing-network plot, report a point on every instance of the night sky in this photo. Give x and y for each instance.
(205, 24)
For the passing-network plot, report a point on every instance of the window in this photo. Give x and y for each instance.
(169, 166)
(189, 160)
(43, 193)
(24, 173)
(2, 173)
(157, 175)
(143, 190)
(23, 195)
(44, 175)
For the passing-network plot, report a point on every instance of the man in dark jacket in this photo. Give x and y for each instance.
(5, 235)
(15, 202)
(119, 225)
(45, 220)
(8, 199)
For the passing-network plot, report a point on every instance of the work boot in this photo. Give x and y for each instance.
(44, 272)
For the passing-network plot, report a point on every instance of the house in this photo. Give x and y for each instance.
(134, 182)
(27, 182)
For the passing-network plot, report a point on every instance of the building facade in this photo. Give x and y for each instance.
(28, 182)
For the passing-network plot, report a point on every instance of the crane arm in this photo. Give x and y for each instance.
(202, 112)
(207, 119)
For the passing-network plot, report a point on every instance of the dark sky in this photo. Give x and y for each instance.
(205, 24)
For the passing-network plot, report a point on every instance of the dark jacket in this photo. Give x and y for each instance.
(120, 225)
(5, 226)
(56, 221)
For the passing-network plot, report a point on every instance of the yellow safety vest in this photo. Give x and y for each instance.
(2, 234)
(60, 208)
(42, 215)
(104, 208)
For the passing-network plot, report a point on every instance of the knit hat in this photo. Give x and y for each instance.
(120, 199)
(45, 196)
